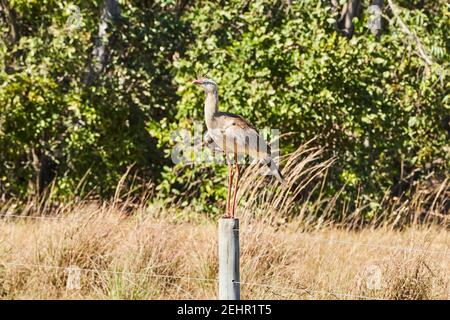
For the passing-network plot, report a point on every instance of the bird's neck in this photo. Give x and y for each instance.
(211, 107)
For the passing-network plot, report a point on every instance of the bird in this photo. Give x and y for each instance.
(233, 135)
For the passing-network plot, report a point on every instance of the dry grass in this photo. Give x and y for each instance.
(292, 245)
(302, 196)
(151, 255)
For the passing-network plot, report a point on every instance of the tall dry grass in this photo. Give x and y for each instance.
(302, 196)
(150, 255)
(304, 174)
(292, 246)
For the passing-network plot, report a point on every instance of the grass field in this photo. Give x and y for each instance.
(154, 255)
(292, 247)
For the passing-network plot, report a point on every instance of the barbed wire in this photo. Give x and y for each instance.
(444, 253)
(309, 291)
(106, 271)
(4, 217)
(90, 270)
(375, 245)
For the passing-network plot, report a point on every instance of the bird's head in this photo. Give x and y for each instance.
(207, 84)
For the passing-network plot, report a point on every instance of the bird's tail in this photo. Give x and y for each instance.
(274, 170)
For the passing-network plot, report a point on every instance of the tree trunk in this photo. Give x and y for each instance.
(375, 22)
(350, 10)
(110, 13)
(10, 17)
(44, 170)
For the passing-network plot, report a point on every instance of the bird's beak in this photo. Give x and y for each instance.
(197, 81)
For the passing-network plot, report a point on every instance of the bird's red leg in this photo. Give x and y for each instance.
(236, 186)
(230, 182)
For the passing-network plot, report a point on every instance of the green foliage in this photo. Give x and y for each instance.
(376, 105)
(372, 103)
(58, 124)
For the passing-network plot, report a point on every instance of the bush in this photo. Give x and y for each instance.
(373, 104)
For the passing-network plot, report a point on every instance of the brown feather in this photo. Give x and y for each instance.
(235, 119)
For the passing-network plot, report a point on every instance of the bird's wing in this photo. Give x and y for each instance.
(240, 136)
(237, 135)
(234, 119)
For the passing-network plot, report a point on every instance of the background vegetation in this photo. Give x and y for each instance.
(91, 91)
(80, 105)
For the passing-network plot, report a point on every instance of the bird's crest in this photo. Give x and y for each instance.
(203, 74)
(204, 78)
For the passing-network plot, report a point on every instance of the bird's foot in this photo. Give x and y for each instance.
(228, 215)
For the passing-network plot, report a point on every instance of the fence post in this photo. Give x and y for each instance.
(229, 287)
